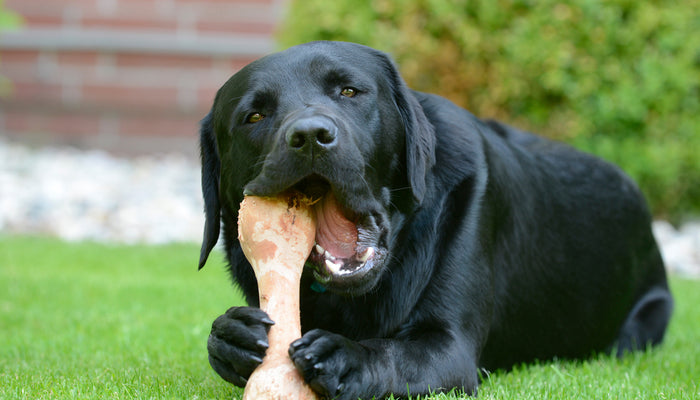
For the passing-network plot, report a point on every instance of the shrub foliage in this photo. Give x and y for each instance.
(619, 78)
(8, 19)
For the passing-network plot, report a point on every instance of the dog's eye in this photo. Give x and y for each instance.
(348, 92)
(254, 117)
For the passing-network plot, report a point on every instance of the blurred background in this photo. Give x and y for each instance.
(127, 76)
(100, 99)
(100, 102)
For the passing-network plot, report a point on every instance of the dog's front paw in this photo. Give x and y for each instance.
(238, 342)
(331, 364)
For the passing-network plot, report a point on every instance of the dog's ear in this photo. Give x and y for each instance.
(420, 144)
(211, 168)
(420, 133)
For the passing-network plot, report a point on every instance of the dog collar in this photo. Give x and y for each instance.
(317, 287)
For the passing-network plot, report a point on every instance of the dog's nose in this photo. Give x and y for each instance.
(313, 131)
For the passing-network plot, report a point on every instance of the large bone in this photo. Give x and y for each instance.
(276, 235)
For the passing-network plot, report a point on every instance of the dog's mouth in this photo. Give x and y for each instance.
(347, 246)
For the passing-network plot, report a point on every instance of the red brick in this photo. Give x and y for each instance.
(215, 3)
(76, 67)
(230, 12)
(18, 66)
(158, 125)
(233, 65)
(28, 7)
(78, 58)
(132, 14)
(258, 27)
(162, 61)
(18, 56)
(40, 121)
(123, 3)
(143, 6)
(43, 20)
(35, 92)
(139, 92)
(205, 97)
(130, 97)
(126, 23)
(49, 8)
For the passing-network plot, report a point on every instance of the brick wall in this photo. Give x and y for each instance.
(129, 76)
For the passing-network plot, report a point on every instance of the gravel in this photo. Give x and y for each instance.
(92, 195)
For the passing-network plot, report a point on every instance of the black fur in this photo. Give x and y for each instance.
(494, 246)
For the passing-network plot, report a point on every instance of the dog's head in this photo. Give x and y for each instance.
(336, 122)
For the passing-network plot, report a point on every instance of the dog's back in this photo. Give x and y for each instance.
(577, 238)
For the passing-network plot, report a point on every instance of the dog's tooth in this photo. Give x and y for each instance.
(319, 249)
(369, 252)
(333, 267)
(328, 255)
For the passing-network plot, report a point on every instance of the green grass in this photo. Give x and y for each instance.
(98, 321)
(87, 320)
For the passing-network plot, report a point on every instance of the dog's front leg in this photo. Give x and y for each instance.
(340, 368)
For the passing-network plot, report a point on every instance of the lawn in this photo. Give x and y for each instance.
(86, 320)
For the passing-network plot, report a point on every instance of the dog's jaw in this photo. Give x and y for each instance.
(348, 253)
(354, 274)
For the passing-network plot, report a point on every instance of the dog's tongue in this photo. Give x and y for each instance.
(334, 232)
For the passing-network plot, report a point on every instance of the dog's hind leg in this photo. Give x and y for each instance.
(646, 323)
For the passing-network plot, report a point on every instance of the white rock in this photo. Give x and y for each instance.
(80, 195)
(679, 248)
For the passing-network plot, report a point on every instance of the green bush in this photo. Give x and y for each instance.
(8, 19)
(619, 78)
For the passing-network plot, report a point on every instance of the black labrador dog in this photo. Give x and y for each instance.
(445, 244)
